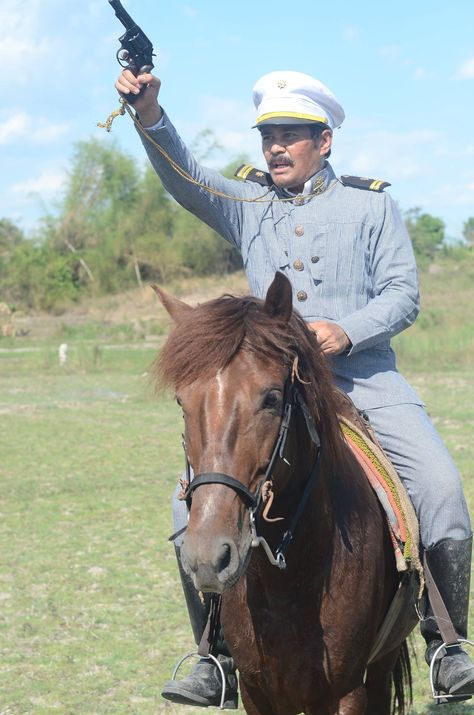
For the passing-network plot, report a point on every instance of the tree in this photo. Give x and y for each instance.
(114, 226)
(39, 277)
(100, 196)
(102, 179)
(426, 232)
(468, 231)
(10, 237)
(150, 228)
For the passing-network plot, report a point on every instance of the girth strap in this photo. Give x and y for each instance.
(219, 478)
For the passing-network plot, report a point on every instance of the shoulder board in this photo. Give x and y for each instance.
(246, 172)
(360, 182)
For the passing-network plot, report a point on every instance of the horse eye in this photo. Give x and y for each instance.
(272, 400)
(178, 401)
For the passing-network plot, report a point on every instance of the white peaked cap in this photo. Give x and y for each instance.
(289, 97)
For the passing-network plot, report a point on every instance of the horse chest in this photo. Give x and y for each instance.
(273, 627)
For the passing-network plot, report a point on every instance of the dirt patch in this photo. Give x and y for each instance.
(136, 308)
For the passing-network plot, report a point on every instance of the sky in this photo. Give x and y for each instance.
(403, 71)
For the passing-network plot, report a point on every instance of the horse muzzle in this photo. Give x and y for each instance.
(213, 556)
(213, 565)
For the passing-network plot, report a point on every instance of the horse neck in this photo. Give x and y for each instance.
(334, 514)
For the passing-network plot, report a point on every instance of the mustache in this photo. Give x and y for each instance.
(279, 160)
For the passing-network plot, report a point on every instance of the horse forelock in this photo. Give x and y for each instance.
(204, 341)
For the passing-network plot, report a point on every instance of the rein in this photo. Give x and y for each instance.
(255, 501)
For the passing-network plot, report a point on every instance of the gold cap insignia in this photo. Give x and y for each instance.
(281, 83)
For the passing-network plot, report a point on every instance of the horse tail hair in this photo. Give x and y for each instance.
(402, 682)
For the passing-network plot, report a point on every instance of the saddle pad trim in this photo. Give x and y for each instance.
(383, 471)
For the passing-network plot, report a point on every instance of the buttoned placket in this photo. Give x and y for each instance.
(300, 266)
(305, 258)
(297, 255)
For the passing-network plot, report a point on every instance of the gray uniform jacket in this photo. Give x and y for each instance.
(346, 252)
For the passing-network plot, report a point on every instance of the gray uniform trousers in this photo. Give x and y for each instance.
(424, 465)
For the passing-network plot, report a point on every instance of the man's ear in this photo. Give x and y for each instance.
(325, 142)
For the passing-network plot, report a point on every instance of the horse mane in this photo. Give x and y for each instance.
(207, 338)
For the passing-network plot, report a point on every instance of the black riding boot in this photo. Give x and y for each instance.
(450, 564)
(203, 686)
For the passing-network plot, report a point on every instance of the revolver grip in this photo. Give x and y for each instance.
(130, 97)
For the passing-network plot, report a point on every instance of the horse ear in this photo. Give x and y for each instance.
(279, 298)
(175, 307)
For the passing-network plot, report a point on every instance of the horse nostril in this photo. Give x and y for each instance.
(223, 557)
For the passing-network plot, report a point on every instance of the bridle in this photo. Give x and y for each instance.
(255, 501)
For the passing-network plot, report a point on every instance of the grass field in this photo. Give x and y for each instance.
(91, 615)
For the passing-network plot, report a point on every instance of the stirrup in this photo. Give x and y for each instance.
(434, 692)
(195, 654)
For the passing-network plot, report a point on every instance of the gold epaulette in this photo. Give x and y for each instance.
(247, 172)
(360, 182)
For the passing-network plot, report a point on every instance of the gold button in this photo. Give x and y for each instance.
(298, 264)
(299, 230)
(299, 201)
(301, 295)
(314, 259)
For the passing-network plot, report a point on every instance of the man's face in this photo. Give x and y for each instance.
(292, 154)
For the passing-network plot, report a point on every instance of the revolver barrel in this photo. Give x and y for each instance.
(122, 14)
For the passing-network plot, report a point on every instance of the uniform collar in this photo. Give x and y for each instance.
(316, 184)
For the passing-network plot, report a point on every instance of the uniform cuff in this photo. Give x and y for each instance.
(158, 124)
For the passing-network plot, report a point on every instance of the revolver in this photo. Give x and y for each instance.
(136, 50)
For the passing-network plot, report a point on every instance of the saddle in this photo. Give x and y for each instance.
(346, 409)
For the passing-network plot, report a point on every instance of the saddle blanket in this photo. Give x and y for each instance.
(382, 476)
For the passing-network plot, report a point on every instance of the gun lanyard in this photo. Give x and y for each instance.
(125, 107)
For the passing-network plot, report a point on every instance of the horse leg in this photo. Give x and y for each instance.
(254, 701)
(354, 703)
(379, 685)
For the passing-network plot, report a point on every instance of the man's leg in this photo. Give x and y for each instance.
(203, 686)
(435, 488)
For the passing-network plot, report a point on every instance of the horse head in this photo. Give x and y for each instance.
(230, 362)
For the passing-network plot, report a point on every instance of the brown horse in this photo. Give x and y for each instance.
(259, 408)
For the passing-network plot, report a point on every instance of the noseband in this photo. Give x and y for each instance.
(255, 500)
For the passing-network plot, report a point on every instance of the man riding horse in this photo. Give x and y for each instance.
(344, 247)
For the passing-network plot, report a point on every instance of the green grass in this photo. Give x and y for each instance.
(443, 335)
(90, 619)
(91, 614)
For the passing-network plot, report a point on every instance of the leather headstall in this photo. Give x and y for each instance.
(255, 500)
